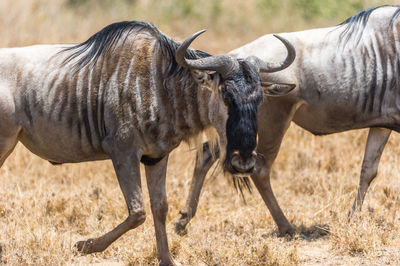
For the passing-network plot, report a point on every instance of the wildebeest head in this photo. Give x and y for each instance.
(237, 90)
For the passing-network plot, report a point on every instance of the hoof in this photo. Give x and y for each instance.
(180, 227)
(89, 246)
(287, 231)
(168, 262)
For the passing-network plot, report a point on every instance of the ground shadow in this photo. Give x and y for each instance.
(313, 232)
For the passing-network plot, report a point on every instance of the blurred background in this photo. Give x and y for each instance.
(230, 23)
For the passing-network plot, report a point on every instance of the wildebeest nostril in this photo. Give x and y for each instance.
(235, 153)
(243, 165)
(249, 157)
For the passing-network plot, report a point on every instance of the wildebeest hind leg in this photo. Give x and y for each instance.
(203, 164)
(126, 165)
(377, 139)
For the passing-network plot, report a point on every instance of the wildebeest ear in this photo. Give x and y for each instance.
(203, 77)
(277, 89)
(200, 76)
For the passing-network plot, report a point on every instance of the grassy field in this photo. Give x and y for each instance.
(45, 209)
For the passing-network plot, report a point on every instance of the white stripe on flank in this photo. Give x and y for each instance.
(153, 88)
(48, 93)
(89, 107)
(128, 74)
(138, 98)
(396, 48)
(127, 80)
(52, 91)
(80, 86)
(100, 104)
(113, 83)
(379, 73)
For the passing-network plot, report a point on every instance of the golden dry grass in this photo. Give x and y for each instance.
(45, 209)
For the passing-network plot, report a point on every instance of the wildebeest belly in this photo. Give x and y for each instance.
(59, 142)
(325, 118)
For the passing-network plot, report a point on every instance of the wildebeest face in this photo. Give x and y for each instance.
(233, 113)
(241, 93)
(236, 83)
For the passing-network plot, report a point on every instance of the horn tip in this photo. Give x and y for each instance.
(277, 36)
(200, 32)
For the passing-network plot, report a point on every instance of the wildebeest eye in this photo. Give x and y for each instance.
(226, 97)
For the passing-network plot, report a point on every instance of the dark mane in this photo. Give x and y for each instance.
(169, 48)
(356, 24)
(104, 41)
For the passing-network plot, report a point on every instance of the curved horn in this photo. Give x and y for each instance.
(223, 64)
(274, 67)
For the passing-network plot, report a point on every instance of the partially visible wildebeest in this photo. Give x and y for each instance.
(131, 94)
(347, 77)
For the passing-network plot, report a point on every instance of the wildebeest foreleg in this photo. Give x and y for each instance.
(9, 131)
(377, 139)
(6, 147)
(126, 165)
(261, 180)
(8, 140)
(203, 164)
(155, 176)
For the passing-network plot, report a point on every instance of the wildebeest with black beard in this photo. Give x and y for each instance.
(130, 94)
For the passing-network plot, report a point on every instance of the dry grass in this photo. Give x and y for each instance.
(45, 209)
